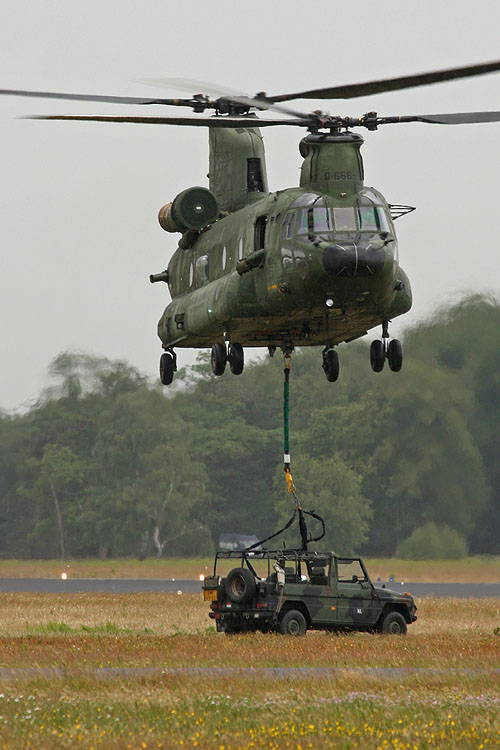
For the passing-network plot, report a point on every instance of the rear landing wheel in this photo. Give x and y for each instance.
(236, 359)
(218, 359)
(331, 365)
(167, 368)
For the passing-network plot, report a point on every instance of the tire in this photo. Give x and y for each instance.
(377, 356)
(167, 368)
(394, 624)
(240, 585)
(395, 355)
(218, 359)
(293, 623)
(331, 365)
(236, 359)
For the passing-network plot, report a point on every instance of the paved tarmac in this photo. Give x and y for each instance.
(174, 586)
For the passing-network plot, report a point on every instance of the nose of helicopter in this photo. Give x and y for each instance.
(353, 258)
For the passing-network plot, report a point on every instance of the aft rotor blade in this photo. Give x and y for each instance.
(452, 118)
(210, 122)
(97, 98)
(350, 91)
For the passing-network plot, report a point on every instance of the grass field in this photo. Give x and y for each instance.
(452, 700)
(471, 569)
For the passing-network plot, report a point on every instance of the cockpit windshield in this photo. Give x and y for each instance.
(321, 219)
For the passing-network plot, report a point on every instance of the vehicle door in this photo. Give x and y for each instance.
(354, 593)
(320, 593)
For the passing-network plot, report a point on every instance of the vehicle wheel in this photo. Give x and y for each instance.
(240, 585)
(236, 359)
(167, 368)
(394, 624)
(395, 355)
(377, 356)
(293, 623)
(218, 359)
(331, 365)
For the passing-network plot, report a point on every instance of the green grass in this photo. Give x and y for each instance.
(452, 702)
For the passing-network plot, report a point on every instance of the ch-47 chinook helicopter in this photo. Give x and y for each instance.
(310, 265)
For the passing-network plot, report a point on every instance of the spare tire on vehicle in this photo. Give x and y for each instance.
(240, 585)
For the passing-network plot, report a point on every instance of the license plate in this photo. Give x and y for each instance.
(210, 595)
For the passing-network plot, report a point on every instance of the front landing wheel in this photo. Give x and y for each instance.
(331, 365)
(377, 356)
(395, 355)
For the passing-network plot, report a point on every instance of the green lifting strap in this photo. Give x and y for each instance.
(286, 415)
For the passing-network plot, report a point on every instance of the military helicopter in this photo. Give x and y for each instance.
(311, 265)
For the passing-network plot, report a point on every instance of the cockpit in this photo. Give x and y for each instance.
(311, 216)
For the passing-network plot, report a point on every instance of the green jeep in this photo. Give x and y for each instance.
(290, 591)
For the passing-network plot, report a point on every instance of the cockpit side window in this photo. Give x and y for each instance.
(288, 226)
(368, 219)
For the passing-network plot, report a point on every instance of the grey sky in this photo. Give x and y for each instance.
(78, 227)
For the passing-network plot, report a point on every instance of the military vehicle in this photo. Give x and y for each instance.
(310, 265)
(291, 591)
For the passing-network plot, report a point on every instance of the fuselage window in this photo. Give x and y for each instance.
(302, 222)
(260, 232)
(300, 258)
(202, 267)
(383, 221)
(287, 231)
(240, 248)
(322, 220)
(368, 219)
(224, 258)
(191, 274)
(345, 220)
(286, 254)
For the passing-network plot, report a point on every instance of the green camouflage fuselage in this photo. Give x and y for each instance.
(322, 261)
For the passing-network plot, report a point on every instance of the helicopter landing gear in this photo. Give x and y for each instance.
(330, 364)
(168, 365)
(377, 356)
(220, 356)
(218, 359)
(382, 350)
(395, 355)
(236, 359)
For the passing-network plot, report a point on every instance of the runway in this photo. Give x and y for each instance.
(184, 586)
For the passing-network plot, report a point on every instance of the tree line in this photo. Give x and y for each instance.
(109, 464)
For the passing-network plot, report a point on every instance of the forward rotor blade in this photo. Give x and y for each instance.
(210, 122)
(452, 118)
(350, 91)
(257, 101)
(96, 98)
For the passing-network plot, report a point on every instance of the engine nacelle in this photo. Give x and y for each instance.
(192, 210)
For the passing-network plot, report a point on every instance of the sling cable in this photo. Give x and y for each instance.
(305, 539)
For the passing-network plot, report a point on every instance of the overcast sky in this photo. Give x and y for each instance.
(78, 229)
